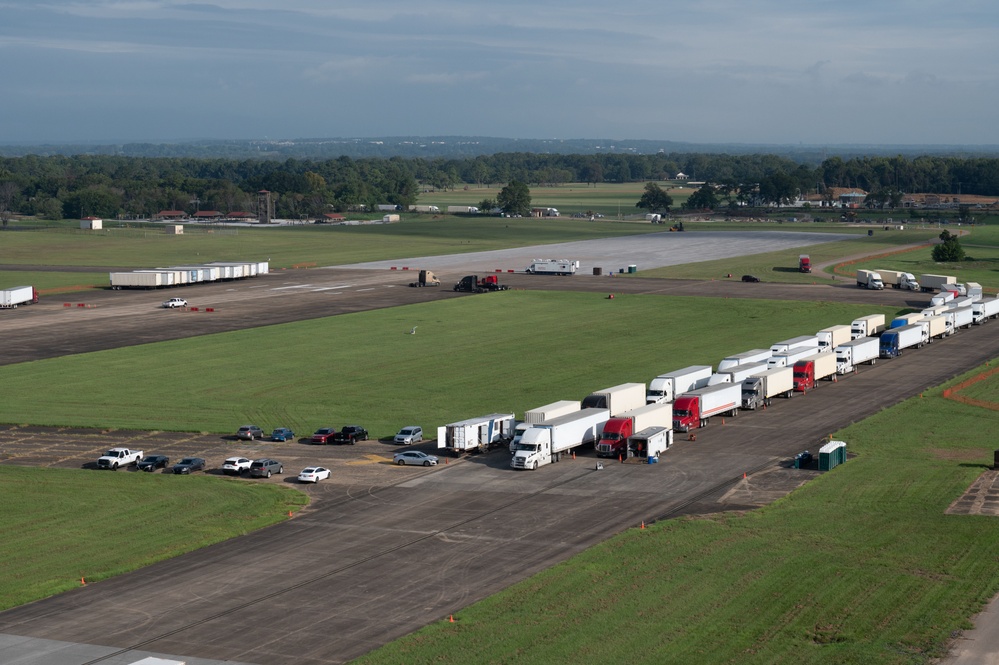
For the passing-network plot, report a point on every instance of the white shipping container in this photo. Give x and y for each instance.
(753, 356)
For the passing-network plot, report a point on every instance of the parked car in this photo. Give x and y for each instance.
(234, 466)
(750, 278)
(313, 474)
(174, 302)
(417, 457)
(189, 465)
(152, 462)
(249, 433)
(324, 435)
(409, 435)
(282, 434)
(263, 468)
(802, 459)
(351, 434)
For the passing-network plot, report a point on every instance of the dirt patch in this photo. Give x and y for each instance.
(964, 455)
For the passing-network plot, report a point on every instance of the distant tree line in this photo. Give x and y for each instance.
(113, 186)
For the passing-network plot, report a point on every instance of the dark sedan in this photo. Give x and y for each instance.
(750, 278)
(189, 465)
(152, 462)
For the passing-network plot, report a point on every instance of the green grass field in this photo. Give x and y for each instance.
(53, 282)
(499, 351)
(858, 566)
(57, 528)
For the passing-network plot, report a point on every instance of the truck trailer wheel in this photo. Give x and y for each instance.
(534, 467)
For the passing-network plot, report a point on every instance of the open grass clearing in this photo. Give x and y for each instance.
(62, 525)
(506, 351)
(53, 282)
(858, 566)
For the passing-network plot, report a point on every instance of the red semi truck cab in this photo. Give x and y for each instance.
(614, 440)
(804, 263)
(686, 413)
(804, 375)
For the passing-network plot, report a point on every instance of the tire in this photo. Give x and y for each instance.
(401, 462)
(426, 463)
(280, 470)
(535, 467)
(268, 474)
(114, 467)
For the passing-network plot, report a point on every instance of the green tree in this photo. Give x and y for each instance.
(515, 199)
(485, 205)
(949, 250)
(704, 198)
(655, 199)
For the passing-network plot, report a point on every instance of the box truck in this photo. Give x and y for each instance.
(809, 341)
(17, 295)
(547, 442)
(985, 310)
(479, 434)
(833, 336)
(760, 390)
(788, 358)
(541, 414)
(869, 279)
(613, 440)
(693, 409)
(552, 267)
(810, 370)
(974, 291)
(960, 317)
(736, 374)
(936, 326)
(665, 387)
(467, 210)
(896, 340)
(905, 320)
(855, 352)
(754, 356)
(897, 279)
(650, 443)
(929, 282)
(617, 399)
(867, 326)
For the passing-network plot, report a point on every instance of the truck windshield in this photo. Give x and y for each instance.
(681, 413)
(800, 375)
(611, 436)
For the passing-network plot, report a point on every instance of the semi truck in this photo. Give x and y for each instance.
(936, 326)
(856, 352)
(869, 279)
(426, 278)
(547, 442)
(692, 410)
(867, 326)
(788, 358)
(809, 341)
(614, 438)
(18, 295)
(960, 317)
(897, 279)
(540, 415)
(467, 210)
(930, 282)
(985, 310)
(974, 291)
(893, 342)
(475, 284)
(479, 434)
(617, 399)
(833, 336)
(736, 374)
(905, 320)
(665, 387)
(760, 390)
(810, 370)
(552, 267)
(753, 356)
(650, 443)
(804, 263)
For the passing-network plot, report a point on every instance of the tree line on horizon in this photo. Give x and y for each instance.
(109, 186)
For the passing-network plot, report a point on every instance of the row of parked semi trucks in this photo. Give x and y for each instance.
(897, 279)
(630, 420)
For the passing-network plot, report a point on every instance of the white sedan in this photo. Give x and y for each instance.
(417, 457)
(174, 302)
(313, 474)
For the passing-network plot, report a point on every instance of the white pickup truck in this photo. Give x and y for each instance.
(117, 457)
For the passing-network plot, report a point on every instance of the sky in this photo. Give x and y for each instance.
(714, 71)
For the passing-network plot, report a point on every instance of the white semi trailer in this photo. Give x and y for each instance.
(856, 352)
(665, 387)
(479, 434)
(549, 441)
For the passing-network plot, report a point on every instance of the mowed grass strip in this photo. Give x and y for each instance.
(858, 566)
(63, 525)
(492, 352)
(53, 282)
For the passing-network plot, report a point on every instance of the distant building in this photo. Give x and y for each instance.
(333, 217)
(681, 176)
(91, 223)
(208, 215)
(170, 214)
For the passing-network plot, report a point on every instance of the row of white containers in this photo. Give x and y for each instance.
(193, 274)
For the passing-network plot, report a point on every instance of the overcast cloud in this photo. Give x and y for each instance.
(775, 71)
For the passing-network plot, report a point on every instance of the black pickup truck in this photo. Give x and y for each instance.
(351, 434)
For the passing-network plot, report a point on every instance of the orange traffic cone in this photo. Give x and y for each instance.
(743, 475)
(450, 618)
(83, 581)
(643, 525)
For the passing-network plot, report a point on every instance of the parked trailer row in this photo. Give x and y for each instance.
(155, 278)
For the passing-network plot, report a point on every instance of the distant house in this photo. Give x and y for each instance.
(208, 215)
(170, 214)
(333, 217)
(240, 215)
(91, 223)
(681, 176)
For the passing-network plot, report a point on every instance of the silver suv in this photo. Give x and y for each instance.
(263, 468)
(409, 435)
(249, 433)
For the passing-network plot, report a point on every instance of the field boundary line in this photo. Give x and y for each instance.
(952, 393)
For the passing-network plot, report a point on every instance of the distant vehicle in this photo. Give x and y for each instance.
(263, 468)
(189, 465)
(750, 278)
(351, 434)
(427, 278)
(152, 462)
(119, 457)
(409, 435)
(313, 474)
(249, 433)
(234, 466)
(802, 458)
(282, 434)
(416, 457)
(474, 284)
(804, 263)
(324, 435)
(174, 302)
